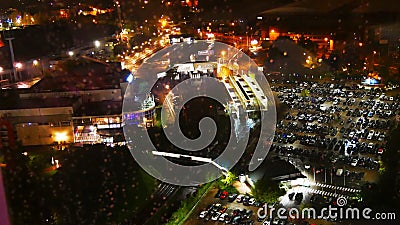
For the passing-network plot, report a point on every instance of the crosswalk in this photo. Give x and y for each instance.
(339, 188)
(329, 190)
(319, 192)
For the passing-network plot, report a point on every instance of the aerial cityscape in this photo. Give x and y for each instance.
(192, 112)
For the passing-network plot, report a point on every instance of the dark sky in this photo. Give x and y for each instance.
(240, 8)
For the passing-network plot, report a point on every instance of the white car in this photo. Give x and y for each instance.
(354, 162)
(381, 137)
(370, 134)
(215, 216)
(370, 145)
(239, 198)
(203, 214)
(252, 201)
(266, 222)
(222, 217)
(377, 134)
(276, 220)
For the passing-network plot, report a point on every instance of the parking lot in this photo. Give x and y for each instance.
(333, 127)
(333, 133)
(231, 208)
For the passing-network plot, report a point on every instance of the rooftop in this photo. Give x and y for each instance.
(81, 74)
(99, 108)
(32, 103)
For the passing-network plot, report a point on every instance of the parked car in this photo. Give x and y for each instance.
(203, 214)
(232, 197)
(354, 162)
(223, 195)
(248, 214)
(370, 134)
(215, 216)
(239, 198)
(222, 217)
(252, 201)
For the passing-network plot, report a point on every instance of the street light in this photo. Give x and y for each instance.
(18, 67)
(97, 44)
(35, 62)
(1, 74)
(71, 53)
(223, 53)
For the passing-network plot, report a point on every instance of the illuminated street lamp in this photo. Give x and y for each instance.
(223, 53)
(254, 42)
(35, 62)
(71, 53)
(18, 67)
(1, 73)
(97, 44)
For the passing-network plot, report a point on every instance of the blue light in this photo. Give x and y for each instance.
(129, 78)
(370, 81)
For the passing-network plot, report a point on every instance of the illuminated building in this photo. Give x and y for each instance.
(143, 116)
(39, 121)
(190, 3)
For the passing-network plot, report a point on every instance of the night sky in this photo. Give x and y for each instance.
(235, 8)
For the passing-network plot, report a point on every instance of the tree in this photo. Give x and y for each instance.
(267, 190)
(94, 185)
(27, 193)
(229, 178)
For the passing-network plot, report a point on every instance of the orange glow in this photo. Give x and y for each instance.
(223, 53)
(273, 34)
(325, 39)
(60, 136)
(360, 44)
(164, 23)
